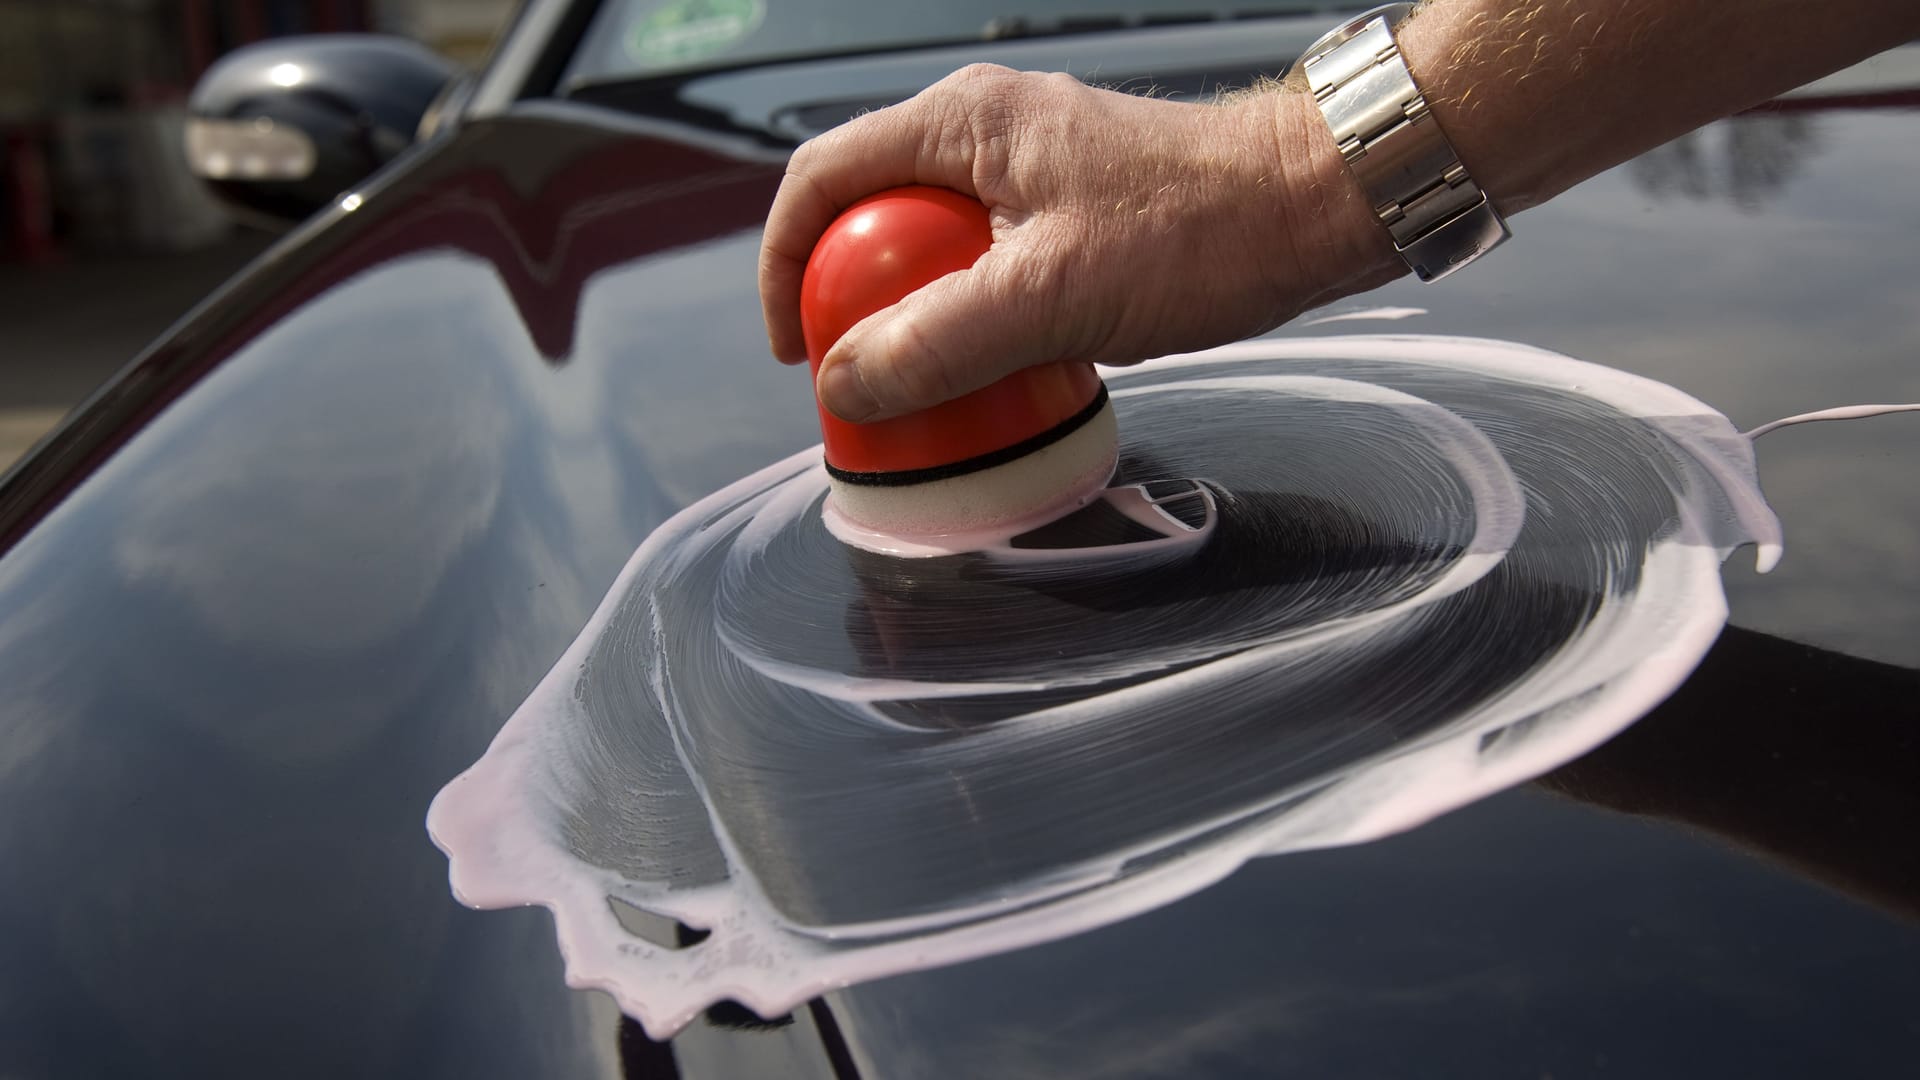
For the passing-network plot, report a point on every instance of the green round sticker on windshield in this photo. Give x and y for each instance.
(684, 31)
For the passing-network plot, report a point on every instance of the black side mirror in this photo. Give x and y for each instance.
(282, 127)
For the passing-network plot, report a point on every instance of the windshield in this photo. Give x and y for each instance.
(638, 38)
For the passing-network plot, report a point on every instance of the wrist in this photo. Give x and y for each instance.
(1440, 48)
(1336, 244)
(1395, 151)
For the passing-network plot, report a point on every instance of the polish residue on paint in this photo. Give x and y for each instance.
(1364, 314)
(1435, 567)
(1844, 412)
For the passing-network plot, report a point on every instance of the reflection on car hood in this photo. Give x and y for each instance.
(297, 565)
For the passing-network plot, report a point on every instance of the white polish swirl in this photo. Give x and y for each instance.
(1441, 567)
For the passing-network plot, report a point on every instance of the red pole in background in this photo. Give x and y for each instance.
(30, 210)
(196, 32)
(338, 16)
(249, 21)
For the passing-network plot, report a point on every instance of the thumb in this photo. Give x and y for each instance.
(952, 336)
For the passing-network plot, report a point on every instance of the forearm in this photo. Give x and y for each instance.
(1126, 228)
(1538, 95)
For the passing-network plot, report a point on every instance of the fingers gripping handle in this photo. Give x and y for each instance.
(878, 251)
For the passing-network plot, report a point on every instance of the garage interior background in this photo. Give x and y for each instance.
(105, 238)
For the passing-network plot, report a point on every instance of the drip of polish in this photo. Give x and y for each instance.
(971, 473)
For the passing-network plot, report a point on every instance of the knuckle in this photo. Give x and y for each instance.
(979, 75)
(997, 107)
(803, 156)
(1059, 82)
(987, 89)
(811, 160)
(1007, 92)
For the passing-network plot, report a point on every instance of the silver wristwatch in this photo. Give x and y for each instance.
(1439, 218)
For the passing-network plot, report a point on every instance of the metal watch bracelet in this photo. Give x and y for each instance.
(1438, 217)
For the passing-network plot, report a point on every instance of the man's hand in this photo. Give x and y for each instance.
(1124, 228)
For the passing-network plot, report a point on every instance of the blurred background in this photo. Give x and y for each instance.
(105, 238)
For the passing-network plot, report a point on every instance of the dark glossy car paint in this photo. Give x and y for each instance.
(294, 567)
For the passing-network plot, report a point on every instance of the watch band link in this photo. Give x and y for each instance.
(1438, 217)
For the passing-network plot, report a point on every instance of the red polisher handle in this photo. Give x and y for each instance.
(882, 248)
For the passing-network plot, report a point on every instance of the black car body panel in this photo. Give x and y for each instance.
(288, 574)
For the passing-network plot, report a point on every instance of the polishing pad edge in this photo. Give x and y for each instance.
(973, 509)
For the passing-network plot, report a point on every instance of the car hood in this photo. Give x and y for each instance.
(268, 591)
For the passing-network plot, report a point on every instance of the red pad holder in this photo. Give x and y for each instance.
(875, 253)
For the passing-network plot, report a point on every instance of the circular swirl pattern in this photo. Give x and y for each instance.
(1439, 567)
